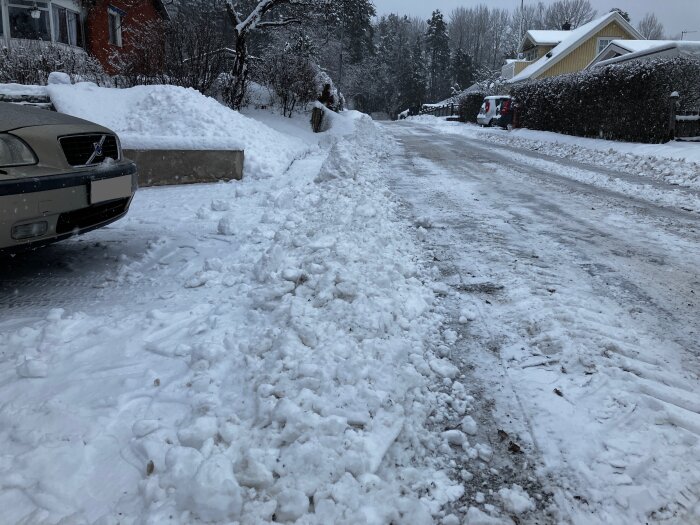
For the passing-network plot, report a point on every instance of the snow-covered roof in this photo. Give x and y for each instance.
(574, 39)
(543, 37)
(640, 45)
(646, 48)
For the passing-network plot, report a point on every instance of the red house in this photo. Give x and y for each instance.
(119, 26)
(104, 28)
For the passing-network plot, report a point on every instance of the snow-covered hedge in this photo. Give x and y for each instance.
(627, 101)
(469, 105)
(32, 62)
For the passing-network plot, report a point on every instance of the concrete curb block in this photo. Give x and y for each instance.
(168, 167)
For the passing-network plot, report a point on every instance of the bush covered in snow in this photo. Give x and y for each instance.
(628, 101)
(469, 105)
(293, 77)
(33, 62)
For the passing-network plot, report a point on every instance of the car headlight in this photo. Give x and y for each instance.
(14, 152)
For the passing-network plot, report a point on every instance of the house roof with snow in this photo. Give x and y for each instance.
(579, 46)
(542, 37)
(624, 50)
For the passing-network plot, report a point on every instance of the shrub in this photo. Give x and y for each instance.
(33, 62)
(294, 79)
(627, 101)
(469, 105)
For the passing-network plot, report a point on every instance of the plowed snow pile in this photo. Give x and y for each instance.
(261, 358)
(171, 117)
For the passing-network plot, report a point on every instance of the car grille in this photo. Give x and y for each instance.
(74, 221)
(79, 149)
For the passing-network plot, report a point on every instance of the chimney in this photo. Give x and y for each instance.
(566, 26)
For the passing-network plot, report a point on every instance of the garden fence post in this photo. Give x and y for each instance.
(673, 101)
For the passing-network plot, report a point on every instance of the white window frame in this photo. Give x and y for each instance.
(72, 5)
(607, 40)
(44, 6)
(116, 38)
(80, 30)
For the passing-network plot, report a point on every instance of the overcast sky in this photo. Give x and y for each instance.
(675, 15)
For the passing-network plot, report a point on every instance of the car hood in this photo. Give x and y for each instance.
(14, 116)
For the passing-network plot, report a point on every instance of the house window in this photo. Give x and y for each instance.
(24, 25)
(115, 27)
(603, 43)
(66, 26)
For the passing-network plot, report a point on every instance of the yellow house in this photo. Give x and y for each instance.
(550, 53)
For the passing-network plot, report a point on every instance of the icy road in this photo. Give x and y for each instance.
(584, 288)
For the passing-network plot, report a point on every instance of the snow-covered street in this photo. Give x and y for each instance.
(412, 324)
(576, 289)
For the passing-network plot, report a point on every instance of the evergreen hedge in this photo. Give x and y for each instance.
(627, 101)
(469, 105)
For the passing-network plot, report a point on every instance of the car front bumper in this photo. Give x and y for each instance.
(62, 205)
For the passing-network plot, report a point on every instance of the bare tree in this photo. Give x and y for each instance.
(196, 45)
(289, 71)
(650, 27)
(484, 34)
(575, 12)
(531, 16)
(417, 27)
(266, 14)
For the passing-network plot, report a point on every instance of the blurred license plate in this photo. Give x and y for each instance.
(110, 189)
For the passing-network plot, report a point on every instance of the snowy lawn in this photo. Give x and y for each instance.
(252, 352)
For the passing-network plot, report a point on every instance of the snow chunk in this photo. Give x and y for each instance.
(444, 368)
(227, 226)
(455, 437)
(516, 500)
(291, 505)
(58, 78)
(254, 474)
(214, 494)
(196, 434)
(469, 425)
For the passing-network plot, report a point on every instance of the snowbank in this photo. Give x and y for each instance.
(269, 363)
(170, 117)
(21, 89)
(674, 162)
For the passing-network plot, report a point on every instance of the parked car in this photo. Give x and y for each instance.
(496, 111)
(59, 176)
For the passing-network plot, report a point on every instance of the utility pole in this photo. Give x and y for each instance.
(522, 22)
(522, 17)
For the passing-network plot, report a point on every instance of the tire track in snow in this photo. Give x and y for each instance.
(578, 292)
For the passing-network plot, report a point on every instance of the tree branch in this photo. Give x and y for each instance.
(278, 23)
(232, 13)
